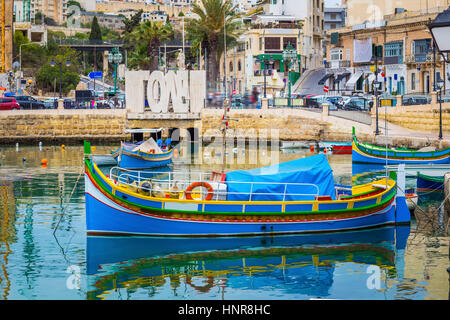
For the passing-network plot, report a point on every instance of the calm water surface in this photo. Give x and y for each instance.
(36, 263)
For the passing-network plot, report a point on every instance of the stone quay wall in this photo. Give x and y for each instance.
(423, 118)
(65, 126)
(73, 126)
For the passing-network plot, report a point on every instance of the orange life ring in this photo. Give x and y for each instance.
(194, 185)
(209, 284)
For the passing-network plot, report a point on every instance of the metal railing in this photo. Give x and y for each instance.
(162, 184)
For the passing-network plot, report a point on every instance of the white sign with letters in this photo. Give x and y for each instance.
(184, 90)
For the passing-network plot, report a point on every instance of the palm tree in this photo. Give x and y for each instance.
(151, 34)
(214, 17)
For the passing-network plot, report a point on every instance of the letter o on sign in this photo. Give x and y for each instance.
(154, 91)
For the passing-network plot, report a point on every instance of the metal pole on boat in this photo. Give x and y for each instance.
(386, 134)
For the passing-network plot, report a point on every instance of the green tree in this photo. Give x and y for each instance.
(96, 32)
(151, 34)
(215, 17)
(133, 22)
(95, 58)
(47, 77)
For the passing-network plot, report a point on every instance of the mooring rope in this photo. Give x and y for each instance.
(68, 201)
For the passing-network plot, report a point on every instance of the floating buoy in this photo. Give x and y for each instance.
(63, 147)
(175, 153)
(92, 148)
(325, 150)
(44, 161)
(44, 166)
(311, 148)
(17, 146)
(40, 145)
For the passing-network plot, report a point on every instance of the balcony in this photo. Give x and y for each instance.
(338, 64)
(271, 25)
(420, 58)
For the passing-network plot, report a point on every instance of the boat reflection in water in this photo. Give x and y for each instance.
(301, 266)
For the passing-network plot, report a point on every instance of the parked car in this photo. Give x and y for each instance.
(9, 104)
(319, 100)
(342, 101)
(28, 102)
(334, 99)
(415, 100)
(357, 103)
(51, 103)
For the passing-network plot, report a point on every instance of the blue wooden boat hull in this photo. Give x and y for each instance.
(424, 184)
(107, 217)
(141, 160)
(359, 157)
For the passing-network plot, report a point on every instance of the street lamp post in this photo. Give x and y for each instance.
(440, 84)
(289, 55)
(377, 86)
(440, 29)
(115, 57)
(266, 62)
(53, 63)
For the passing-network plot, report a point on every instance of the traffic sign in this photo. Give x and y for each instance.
(96, 75)
(325, 88)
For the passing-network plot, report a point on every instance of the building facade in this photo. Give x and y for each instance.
(407, 64)
(110, 21)
(334, 18)
(360, 11)
(260, 51)
(54, 9)
(311, 12)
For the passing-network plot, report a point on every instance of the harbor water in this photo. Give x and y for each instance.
(45, 253)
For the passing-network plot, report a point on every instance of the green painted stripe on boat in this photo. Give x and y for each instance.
(431, 178)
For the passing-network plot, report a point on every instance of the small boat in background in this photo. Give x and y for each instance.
(294, 144)
(144, 154)
(367, 153)
(429, 183)
(342, 149)
(411, 198)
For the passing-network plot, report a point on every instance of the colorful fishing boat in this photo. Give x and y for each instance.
(144, 154)
(429, 183)
(367, 153)
(298, 196)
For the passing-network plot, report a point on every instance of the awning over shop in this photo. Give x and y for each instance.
(322, 81)
(371, 78)
(342, 76)
(353, 79)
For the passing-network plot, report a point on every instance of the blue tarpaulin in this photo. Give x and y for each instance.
(310, 176)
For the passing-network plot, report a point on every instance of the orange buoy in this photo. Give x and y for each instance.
(175, 153)
(311, 148)
(194, 185)
(44, 161)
